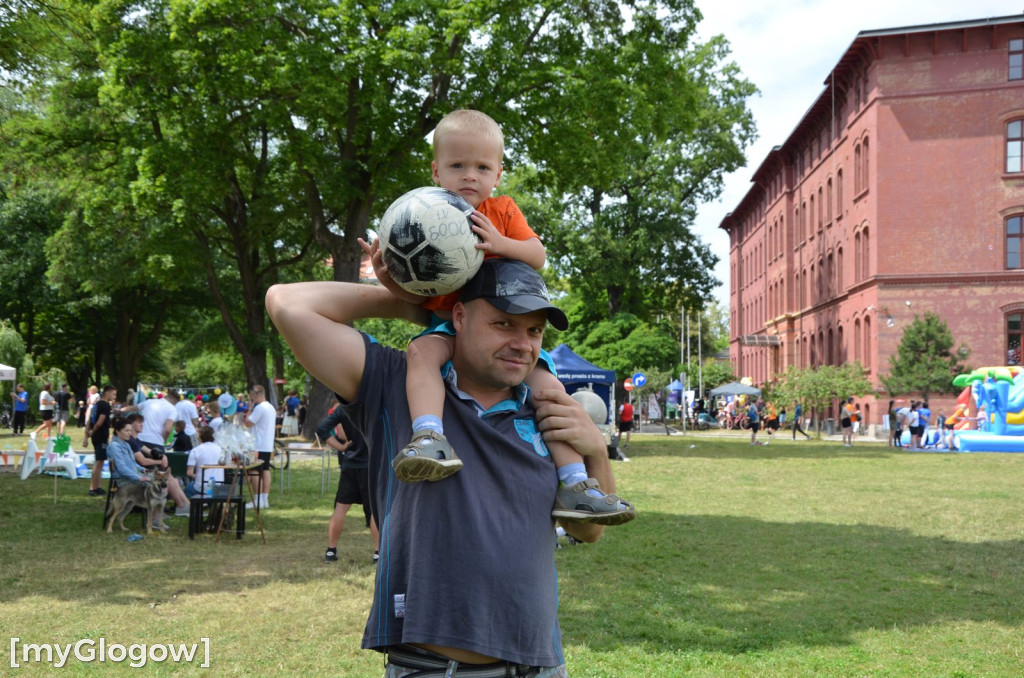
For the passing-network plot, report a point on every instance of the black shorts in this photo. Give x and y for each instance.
(625, 426)
(265, 458)
(845, 423)
(100, 450)
(772, 424)
(755, 426)
(916, 430)
(47, 415)
(353, 487)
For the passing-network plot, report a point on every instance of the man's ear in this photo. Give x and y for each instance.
(458, 316)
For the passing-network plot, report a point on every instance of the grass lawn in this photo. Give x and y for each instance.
(793, 559)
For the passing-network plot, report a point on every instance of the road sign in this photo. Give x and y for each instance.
(628, 384)
(639, 379)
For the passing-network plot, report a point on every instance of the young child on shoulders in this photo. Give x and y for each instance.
(468, 152)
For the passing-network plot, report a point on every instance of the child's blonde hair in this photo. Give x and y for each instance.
(465, 120)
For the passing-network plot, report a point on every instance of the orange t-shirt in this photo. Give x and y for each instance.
(508, 220)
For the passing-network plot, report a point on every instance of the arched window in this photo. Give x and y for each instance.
(839, 270)
(829, 353)
(856, 256)
(857, 177)
(821, 210)
(840, 347)
(839, 194)
(867, 344)
(865, 243)
(831, 289)
(865, 174)
(828, 205)
(856, 340)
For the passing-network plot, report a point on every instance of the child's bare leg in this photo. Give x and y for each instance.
(428, 456)
(579, 496)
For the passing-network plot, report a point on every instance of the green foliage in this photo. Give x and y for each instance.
(624, 344)
(713, 372)
(12, 346)
(925, 361)
(819, 387)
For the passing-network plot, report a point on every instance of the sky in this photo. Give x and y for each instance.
(787, 48)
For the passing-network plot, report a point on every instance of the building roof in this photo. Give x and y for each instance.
(862, 48)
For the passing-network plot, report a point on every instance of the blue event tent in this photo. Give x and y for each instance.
(575, 373)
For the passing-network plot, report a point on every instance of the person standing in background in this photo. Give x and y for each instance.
(262, 418)
(20, 397)
(46, 405)
(63, 408)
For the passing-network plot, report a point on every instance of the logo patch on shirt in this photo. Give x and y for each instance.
(399, 605)
(527, 430)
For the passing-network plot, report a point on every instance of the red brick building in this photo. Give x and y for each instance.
(900, 191)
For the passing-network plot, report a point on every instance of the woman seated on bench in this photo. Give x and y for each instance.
(147, 458)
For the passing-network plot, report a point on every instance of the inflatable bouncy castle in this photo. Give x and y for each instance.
(1000, 390)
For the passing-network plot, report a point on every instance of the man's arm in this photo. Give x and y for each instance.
(559, 417)
(314, 318)
(168, 427)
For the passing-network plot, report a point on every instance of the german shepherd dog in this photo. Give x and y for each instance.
(151, 496)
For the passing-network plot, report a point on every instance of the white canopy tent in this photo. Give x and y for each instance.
(8, 373)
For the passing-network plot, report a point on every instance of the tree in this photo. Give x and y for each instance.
(925, 361)
(818, 388)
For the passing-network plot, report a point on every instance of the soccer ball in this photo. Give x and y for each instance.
(427, 242)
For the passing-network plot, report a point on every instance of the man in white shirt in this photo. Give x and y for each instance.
(185, 410)
(262, 418)
(159, 415)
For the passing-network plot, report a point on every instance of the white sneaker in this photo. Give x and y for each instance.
(250, 506)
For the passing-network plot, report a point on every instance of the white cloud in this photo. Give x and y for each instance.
(787, 48)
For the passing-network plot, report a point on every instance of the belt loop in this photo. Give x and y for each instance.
(453, 666)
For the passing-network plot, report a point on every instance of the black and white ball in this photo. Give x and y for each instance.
(427, 242)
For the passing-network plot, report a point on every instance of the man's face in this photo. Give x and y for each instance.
(137, 426)
(495, 349)
(111, 395)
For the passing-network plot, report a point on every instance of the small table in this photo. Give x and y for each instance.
(195, 519)
(325, 453)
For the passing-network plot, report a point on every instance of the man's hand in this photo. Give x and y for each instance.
(561, 418)
(380, 270)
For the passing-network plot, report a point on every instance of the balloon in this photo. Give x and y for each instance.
(216, 391)
(206, 398)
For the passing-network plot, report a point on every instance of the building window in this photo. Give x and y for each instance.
(829, 204)
(1015, 146)
(856, 257)
(867, 344)
(1015, 241)
(839, 194)
(839, 270)
(857, 185)
(856, 340)
(865, 176)
(1014, 335)
(1016, 48)
(865, 258)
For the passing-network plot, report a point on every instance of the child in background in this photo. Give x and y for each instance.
(182, 442)
(468, 153)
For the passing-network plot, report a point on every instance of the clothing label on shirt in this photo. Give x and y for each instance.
(527, 430)
(399, 605)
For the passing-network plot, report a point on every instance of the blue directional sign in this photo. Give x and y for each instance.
(639, 379)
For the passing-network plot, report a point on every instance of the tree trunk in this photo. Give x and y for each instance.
(321, 399)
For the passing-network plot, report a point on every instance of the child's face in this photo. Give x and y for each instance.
(469, 164)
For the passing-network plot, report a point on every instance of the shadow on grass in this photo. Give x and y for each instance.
(41, 539)
(738, 584)
(710, 445)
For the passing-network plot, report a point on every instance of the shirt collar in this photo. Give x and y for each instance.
(519, 394)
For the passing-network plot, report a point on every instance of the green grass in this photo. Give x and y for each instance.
(795, 559)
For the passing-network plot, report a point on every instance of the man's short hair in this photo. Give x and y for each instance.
(205, 434)
(107, 388)
(258, 390)
(134, 417)
(513, 287)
